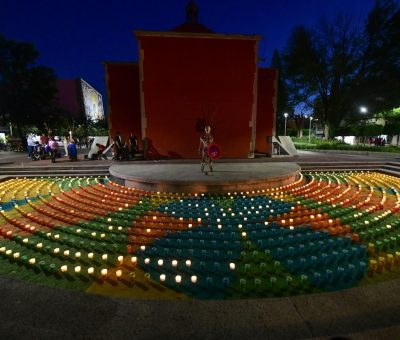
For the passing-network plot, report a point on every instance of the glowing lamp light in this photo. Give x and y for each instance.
(78, 254)
(193, 279)
(143, 248)
(244, 234)
(32, 261)
(104, 272)
(178, 279)
(39, 245)
(16, 255)
(104, 257)
(232, 266)
(77, 269)
(120, 259)
(90, 255)
(134, 259)
(66, 252)
(174, 263)
(146, 260)
(64, 269)
(162, 277)
(160, 262)
(188, 263)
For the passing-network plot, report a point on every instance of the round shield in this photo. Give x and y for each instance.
(214, 151)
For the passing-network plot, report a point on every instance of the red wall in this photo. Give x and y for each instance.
(186, 79)
(266, 101)
(122, 80)
(68, 96)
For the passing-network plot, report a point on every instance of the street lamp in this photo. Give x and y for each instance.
(309, 130)
(363, 109)
(285, 115)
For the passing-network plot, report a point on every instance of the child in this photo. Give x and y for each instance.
(72, 151)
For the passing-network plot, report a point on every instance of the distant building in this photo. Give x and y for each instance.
(80, 100)
(186, 78)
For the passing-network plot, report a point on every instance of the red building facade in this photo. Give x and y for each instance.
(184, 80)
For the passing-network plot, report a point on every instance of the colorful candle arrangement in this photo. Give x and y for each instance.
(326, 231)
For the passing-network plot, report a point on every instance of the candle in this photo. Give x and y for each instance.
(120, 259)
(118, 273)
(90, 270)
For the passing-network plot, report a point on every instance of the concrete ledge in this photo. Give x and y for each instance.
(189, 178)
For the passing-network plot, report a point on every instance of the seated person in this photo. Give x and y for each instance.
(72, 151)
(99, 154)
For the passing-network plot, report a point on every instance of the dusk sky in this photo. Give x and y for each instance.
(74, 37)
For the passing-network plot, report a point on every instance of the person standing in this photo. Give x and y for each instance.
(31, 144)
(118, 145)
(133, 145)
(53, 149)
(205, 140)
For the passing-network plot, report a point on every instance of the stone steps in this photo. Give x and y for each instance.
(53, 171)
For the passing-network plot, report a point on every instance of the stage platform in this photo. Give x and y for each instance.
(187, 178)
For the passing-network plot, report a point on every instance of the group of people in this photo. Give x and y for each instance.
(48, 145)
(125, 149)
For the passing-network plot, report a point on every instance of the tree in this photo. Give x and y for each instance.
(282, 104)
(379, 83)
(27, 91)
(320, 65)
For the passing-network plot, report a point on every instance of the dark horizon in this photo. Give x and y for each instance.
(75, 38)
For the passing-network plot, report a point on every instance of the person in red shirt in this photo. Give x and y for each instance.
(99, 154)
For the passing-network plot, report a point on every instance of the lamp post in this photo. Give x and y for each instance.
(285, 115)
(309, 130)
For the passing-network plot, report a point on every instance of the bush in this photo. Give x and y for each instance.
(318, 144)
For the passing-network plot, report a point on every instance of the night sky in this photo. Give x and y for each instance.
(75, 36)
